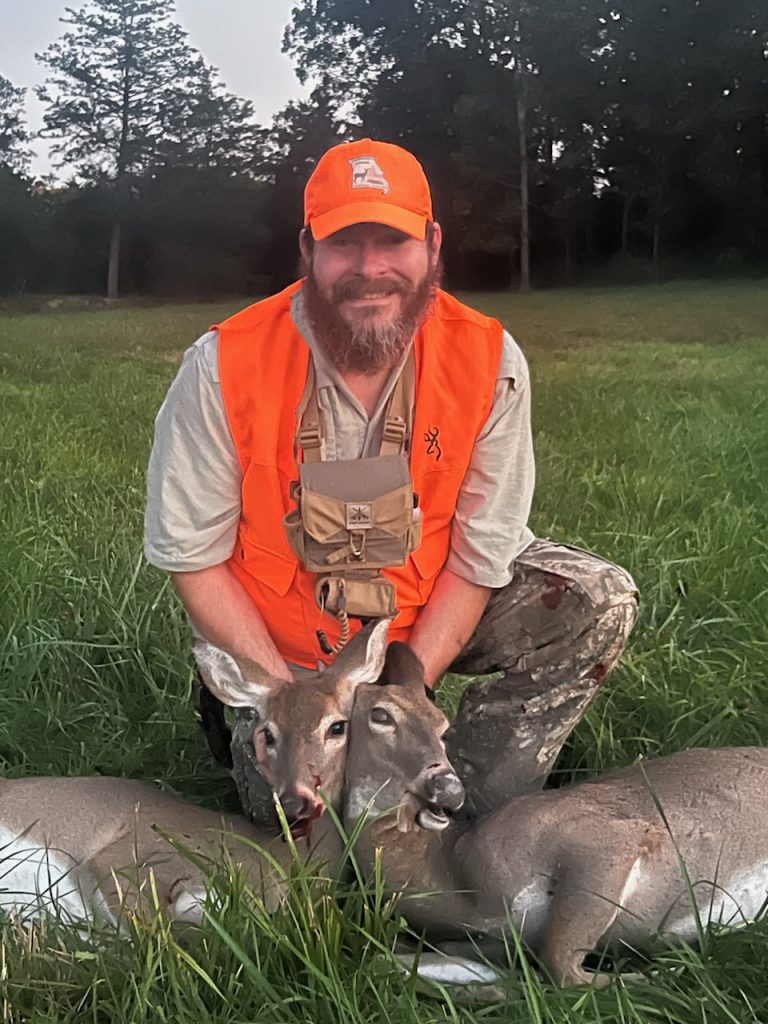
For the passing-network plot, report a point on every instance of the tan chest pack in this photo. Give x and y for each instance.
(355, 517)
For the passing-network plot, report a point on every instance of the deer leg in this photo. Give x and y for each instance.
(598, 880)
(556, 631)
(578, 922)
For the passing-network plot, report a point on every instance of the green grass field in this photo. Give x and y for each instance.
(651, 425)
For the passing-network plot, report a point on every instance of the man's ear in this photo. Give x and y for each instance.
(223, 677)
(402, 667)
(436, 242)
(305, 247)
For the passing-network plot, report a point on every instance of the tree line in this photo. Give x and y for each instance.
(566, 140)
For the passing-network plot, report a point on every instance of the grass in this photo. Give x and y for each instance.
(651, 423)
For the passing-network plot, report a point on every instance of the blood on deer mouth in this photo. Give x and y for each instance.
(302, 826)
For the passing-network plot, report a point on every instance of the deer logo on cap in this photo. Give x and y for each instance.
(366, 173)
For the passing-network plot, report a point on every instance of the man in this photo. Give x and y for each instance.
(310, 376)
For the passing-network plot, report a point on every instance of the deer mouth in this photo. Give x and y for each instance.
(432, 818)
(301, 827)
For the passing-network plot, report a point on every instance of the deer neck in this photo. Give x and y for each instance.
(419, 861)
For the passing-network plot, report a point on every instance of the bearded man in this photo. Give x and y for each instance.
(308, 377)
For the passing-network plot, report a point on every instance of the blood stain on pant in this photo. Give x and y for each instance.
(554, 588)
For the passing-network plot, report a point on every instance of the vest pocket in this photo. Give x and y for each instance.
(429, 558)
(268, 567)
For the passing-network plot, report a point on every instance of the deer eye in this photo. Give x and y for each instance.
(269, 737)
(337, 729)
(382, 717)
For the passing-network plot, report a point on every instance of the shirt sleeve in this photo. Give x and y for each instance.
(489, 528)
(194, 477)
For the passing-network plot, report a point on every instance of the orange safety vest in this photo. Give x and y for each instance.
(263, 362)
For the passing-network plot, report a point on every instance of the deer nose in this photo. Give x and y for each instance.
(444, 790)
(301, 803)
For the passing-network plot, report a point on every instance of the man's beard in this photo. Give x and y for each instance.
(368, 346)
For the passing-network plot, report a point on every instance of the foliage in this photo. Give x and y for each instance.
(653, 102)
(621, 138)
(126, 95)
(118, 82)
(14, 135)
(22, 231)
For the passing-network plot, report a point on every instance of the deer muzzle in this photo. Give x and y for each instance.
(301, 805)
(442, 791)
(445, 791)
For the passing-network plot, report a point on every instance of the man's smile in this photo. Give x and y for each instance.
(378, 299)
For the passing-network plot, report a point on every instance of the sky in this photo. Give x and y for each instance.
(241, 38)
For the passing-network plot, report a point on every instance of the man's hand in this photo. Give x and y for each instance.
(446, 622)
(226, 616)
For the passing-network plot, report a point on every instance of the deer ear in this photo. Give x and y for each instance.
(362, 659)
(223, 677)
(402, 667)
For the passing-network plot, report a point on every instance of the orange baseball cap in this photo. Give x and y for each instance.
(364, 181)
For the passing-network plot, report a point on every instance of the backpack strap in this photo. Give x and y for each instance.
(398, 415)
(309, 422)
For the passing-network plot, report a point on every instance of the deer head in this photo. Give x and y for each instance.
(396, 757)
(300, 727)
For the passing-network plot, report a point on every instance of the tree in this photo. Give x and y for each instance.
(124, 88)
(298, 136)
(213, 131)
(13, 133)
(477, 79)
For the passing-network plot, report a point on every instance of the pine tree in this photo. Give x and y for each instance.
(121, 98)
(13, 132)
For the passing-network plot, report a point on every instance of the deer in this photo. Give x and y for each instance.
(298, 729)
(98, 849)
(87, 847)
(634, 859)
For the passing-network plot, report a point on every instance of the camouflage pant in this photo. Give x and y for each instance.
(555, 631)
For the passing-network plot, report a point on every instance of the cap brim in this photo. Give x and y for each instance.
(327, 224)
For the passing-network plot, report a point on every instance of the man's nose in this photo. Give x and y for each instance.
(371, 260)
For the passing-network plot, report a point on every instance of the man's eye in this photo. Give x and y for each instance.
(269, 737)
(337, 729)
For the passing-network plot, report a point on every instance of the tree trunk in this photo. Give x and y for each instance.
(626, 210)
(568, 259)
(656, 248)
(522, 143)
(589, 241)
(113, 274)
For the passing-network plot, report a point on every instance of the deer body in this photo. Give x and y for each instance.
(85, 848)
(591, 867)
(598, 860)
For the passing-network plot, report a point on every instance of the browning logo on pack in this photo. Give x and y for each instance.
(359, 515)
(366, 173)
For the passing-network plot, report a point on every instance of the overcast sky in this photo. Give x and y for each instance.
(240, 37)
